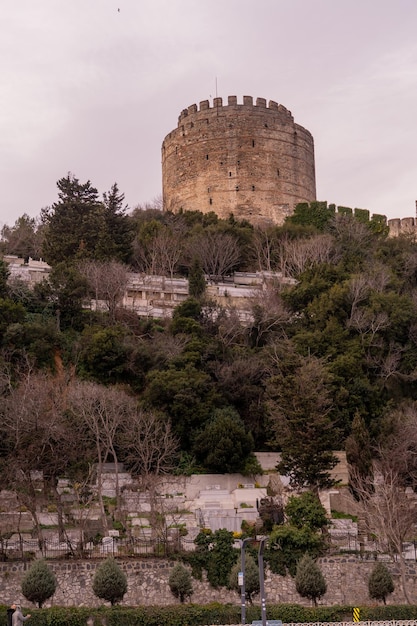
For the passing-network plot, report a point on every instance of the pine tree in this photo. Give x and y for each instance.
(109, 582)
(380, 583)
(75, 225)
(180, 582)
(119, 232)
(39, 583)
(309, 580)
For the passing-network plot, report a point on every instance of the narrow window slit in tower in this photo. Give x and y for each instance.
(253, 143)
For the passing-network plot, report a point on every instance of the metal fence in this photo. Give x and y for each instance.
(27, 549)
(18, 549)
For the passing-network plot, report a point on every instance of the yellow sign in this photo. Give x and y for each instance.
(356, 615)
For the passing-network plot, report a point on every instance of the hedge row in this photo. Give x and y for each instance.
(203, 615)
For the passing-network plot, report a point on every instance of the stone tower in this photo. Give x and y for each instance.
(248, 159)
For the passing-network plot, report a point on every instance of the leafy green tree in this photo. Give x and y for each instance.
(188, 396)
(316, 214)
(38, 340)
(106, 354)
(223, 445)
(4, 275)
(222, 557)
(380, 583)
(10, 313)
(180, 582)
(191, 307)
(301, 534)
(67, 291)
(109, 582)
(309, 580)
(23, 239)
(306, 510)
(287, 545)
(252, 584)
(358, 449)
(39, 583)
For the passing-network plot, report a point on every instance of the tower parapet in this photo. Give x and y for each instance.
(249, 159)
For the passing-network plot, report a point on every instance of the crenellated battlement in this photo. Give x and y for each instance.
(248, 158)
(233, 105)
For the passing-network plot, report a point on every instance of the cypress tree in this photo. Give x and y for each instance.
(196, 280)
(180, 582)
(39, 583)
(109, 582)
(380, 583)
(309, 580)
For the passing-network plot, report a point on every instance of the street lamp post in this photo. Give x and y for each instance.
(243, 543)
(262, 579)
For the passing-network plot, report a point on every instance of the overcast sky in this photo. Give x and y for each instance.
(93, 86)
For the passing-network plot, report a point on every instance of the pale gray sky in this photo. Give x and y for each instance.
(92, 90)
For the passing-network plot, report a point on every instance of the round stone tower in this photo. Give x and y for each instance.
(248, 159)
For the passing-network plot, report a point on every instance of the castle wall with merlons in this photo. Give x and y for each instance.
(346, 579)
(249, 159)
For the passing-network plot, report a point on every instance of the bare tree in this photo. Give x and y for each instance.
(167, 249)
(151, 451)
(38, 437)
(350, 233)
(299, 255)
(107, 280)
(217, 252)
(230, 329)
(104, 411)
(269, 314)
(158, 251)
(388, 511)
(264, 247)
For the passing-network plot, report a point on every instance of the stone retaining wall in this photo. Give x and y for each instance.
(148, 583)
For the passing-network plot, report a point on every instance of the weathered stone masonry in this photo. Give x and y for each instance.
(248, 159)
(148, 583)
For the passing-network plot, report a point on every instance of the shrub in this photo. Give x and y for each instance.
(180, 583)
(380, 583)
(109, 582)
(39, 583)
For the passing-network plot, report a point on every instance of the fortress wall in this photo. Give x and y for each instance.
(403, 226)
(248, 159)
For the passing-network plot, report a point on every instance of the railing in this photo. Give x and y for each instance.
(27, 549)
